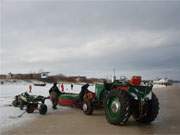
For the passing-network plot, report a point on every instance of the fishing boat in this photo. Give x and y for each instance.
(39, 84)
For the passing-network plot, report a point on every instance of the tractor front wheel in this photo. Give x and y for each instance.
(117, 109)
(43, 109)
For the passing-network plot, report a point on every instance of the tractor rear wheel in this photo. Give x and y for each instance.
(87, 107)
(117, 109)
(150, 110)
(21, 104)
(15, 103)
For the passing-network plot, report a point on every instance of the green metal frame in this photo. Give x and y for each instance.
(138, 92)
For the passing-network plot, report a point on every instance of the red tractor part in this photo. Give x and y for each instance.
(135, 80)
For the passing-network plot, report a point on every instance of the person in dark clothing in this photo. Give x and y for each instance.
(84, 89)
(54, 94)
(71, 86)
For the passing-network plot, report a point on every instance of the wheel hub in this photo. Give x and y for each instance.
(85, 107)
(115, 106)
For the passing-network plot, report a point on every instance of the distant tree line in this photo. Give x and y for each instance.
(52, 78)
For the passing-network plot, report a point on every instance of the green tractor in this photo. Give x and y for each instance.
(123, 98)
(120, 99)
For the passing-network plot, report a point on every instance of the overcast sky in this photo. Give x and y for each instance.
(91, 38)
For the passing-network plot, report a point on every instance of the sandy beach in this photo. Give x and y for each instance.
(73, 121)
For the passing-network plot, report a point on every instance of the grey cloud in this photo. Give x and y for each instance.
(83, 15)
(91, 37)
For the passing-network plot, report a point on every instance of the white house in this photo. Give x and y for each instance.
(44, 74)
